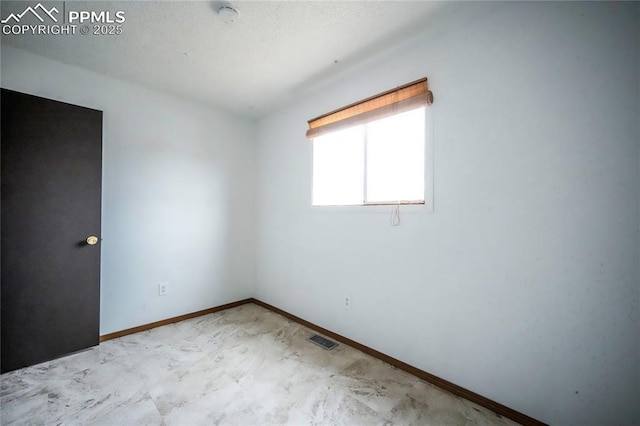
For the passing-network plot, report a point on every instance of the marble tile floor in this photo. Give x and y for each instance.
(242, 366)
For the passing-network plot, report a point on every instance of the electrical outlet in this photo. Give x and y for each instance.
(347, 302)
(162, 289)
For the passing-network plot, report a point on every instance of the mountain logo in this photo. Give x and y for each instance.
(34, 12)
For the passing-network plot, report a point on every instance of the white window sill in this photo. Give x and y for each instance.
(377, 208)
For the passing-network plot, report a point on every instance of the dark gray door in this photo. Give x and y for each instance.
(51, 186)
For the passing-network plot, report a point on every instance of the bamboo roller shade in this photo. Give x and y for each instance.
(385, 104)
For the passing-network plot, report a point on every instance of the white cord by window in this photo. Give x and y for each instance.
(395, 215)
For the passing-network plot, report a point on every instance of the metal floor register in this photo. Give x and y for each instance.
(322, 342)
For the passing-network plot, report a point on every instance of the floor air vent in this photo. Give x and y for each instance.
(322, 342)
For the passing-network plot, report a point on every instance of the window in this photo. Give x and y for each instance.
(375, 159)
(381, 162)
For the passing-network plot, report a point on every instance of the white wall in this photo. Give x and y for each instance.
(523, 284)
(178, 193)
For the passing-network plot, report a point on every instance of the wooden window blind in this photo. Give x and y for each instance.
(395, 101)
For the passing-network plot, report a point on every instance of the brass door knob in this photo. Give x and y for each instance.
(92, 240)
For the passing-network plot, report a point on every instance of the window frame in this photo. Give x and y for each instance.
(426, 206)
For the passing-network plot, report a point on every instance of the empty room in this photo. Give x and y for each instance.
(320, 213)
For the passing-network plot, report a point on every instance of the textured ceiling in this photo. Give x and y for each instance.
(252, 66)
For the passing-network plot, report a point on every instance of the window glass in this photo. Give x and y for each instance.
(338, 167)
(380, 162)
(395, 158)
